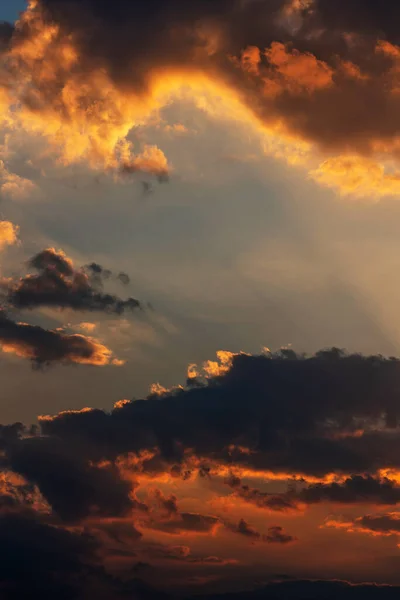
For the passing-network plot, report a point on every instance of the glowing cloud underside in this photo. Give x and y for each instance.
(71, 73)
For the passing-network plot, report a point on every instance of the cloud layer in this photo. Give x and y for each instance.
(85, 73)
(322, 428)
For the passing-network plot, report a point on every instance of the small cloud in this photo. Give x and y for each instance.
(13, 186)
(8, 234)
(87, 326)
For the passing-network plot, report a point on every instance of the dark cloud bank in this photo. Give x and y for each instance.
(330, 413)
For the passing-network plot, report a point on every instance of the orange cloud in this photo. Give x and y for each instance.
(81, 350)
(50, 346)
(375, 525)
(8, 234)
(297, 71)
(357, 176)
(299, 101)
(87, 326)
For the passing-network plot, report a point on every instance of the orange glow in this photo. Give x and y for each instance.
(8, 234)
(63, 413)
(81, 350)
(296, 70)
(357, 176)
(88, 119)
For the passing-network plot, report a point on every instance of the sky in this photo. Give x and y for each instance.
(199, 219)
(9, 10)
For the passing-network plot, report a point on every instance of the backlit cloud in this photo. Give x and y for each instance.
(45, 347)
(59, 284)
(84, 74)
(8, 234)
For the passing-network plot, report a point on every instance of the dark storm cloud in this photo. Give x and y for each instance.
(293, 413)
(244, 528)
(72, 487)
(46, 347)
(356, 489)
(58, 284)
(39, 560)
(385, 524)
(178, 553)
(276, 535)
(266, 412)
(42, 560)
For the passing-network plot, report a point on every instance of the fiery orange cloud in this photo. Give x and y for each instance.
(375, 525)
(49, 346)
(8, 234)
(301, 104)
(211, 368)
(82, 350)
(87, 326)
(17, 493)
(358, 176)
(296, 71)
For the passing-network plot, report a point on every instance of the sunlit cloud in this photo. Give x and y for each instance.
(8, 234)
(301, 105)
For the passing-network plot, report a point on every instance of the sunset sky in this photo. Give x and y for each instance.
(200, 282)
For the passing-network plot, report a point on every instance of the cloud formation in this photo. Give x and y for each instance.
(83, 74)
(275, 535)
(376, 525)
(59, 284)
(238, 419)
(283, 423)
(46, 347)
(8, 234)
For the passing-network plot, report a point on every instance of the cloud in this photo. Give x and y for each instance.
(354, 490)
(275, 535)
(186, 523)
(244, 528)
(282, 422)
(72, 487)
(45, 347)
(151, 160)
(386, 524)
(266, 500)
(58, 284)
(327, 424)
(169, 519)
(12, 185)
(87, 326)
(283, 428)
(41, 557)
(83, 75)
(8, 234)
